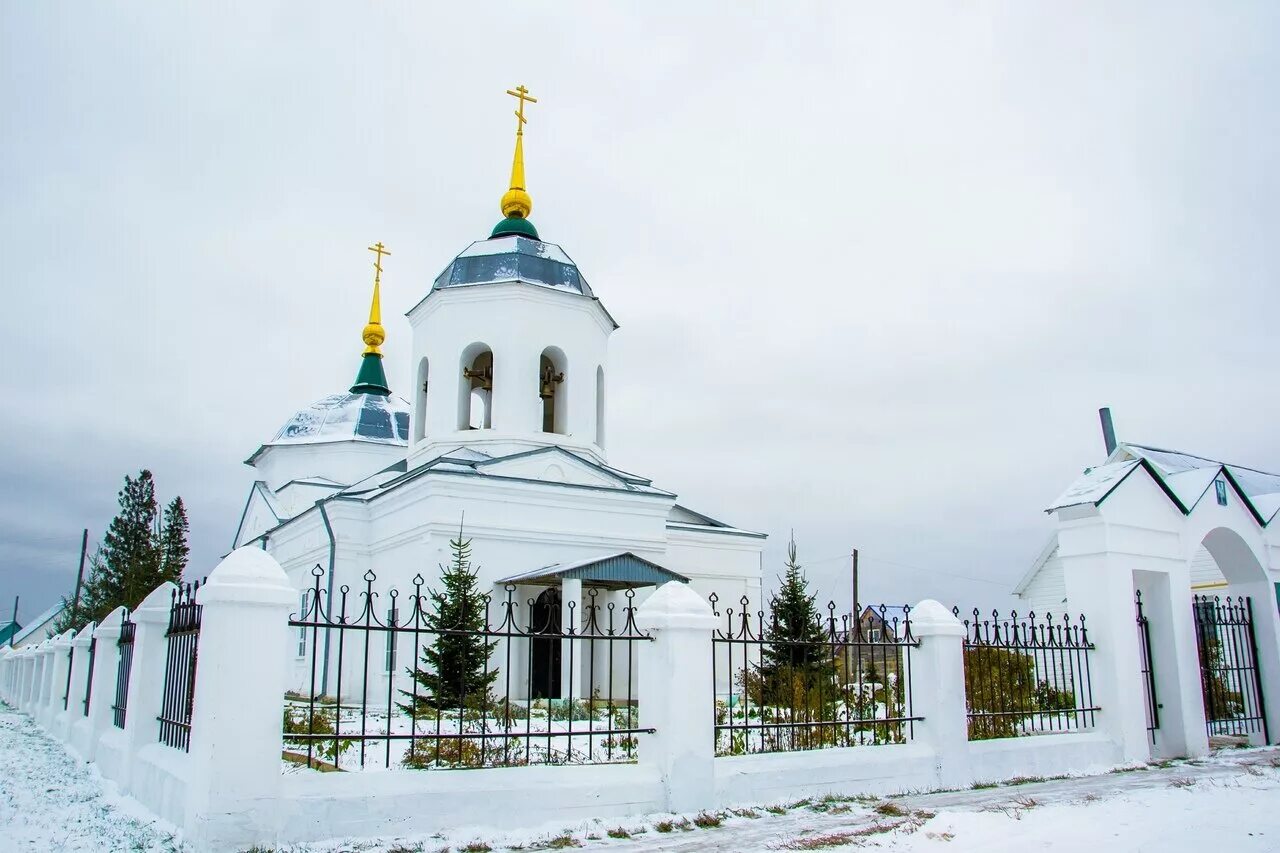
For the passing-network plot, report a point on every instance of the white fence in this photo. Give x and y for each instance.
(230, 790)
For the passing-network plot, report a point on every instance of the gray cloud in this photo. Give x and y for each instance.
(875, 267)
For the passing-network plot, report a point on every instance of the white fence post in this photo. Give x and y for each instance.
(79, 677)
(677, 695)
(146, 676)
(102, 695)
(236, 726)
(55, 715)
(45, 692)
(7, 666)
(937, 687)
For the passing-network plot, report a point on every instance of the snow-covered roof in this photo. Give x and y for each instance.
(41, 621)
(348, 417)
(1184, 477)
(513, 258)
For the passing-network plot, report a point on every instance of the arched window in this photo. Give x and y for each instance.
(553, 390)
(475, 388)
(600, 407)
(420, 402)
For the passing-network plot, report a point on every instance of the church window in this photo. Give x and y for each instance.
(390, 662)
(475, 403)
(600, 407)
(553, 391)
(420, 406)
(1220, 490)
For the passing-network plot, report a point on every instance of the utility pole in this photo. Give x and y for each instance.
(75, 601)
(15, 610)
(854, 557)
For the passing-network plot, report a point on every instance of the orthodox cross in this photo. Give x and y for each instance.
(380, 250)
(523, 94)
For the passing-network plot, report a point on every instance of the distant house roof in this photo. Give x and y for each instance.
(27, 634)
(7, 631)
(613, 571)
(1184, 478)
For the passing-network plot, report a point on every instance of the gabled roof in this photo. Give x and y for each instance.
(7, 631)
(41, 621)
(1047, 553)
(468, 462)
(1184, 478)
(614, 571)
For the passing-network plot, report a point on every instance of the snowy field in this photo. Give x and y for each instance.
(51, 802)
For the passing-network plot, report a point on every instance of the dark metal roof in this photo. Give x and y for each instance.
(612, 571)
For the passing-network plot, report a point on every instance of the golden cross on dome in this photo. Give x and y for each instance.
(523, 94)
(380, 250)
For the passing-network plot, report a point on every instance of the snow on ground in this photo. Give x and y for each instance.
(51, 802)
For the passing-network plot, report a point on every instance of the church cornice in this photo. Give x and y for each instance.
(507, 291)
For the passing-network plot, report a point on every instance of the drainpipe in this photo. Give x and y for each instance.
(333, 552)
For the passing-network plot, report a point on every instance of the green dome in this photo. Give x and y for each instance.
(514, 225)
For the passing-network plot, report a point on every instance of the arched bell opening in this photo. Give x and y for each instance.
(475, 388)
(553, 390)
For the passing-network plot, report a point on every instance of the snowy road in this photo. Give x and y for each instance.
(51, 802)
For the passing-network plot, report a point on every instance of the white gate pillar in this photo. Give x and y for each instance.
(677, 695)
(236, 725)
(1100, 588)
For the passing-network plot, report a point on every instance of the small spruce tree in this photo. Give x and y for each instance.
(173, 541)
(452, 671)
(795, 652)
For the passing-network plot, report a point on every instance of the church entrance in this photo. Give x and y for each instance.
(544, 664)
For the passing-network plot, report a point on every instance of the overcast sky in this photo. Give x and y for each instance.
(876, 265)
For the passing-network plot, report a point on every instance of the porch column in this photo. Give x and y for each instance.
(571, 651)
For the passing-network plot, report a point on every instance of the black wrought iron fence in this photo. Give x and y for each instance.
(1229, 678)
(88, 683)
(124, 664)
(183, 638)
(785, 684)
(1026, 674)
(437, 682)
(66, 688)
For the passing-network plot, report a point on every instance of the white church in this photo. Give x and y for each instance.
(507, 424)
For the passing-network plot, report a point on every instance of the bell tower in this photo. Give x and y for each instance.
(510, 344)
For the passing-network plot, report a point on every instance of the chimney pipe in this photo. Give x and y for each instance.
(1108, 429)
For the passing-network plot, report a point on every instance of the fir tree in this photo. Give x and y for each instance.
(137, 554)
(796, 652)
(454, 667)
(173, 541)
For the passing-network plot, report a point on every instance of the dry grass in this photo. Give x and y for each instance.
(1181, 782)
(618, 832)
(889, 809)
(475, 847)
(707, 820)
